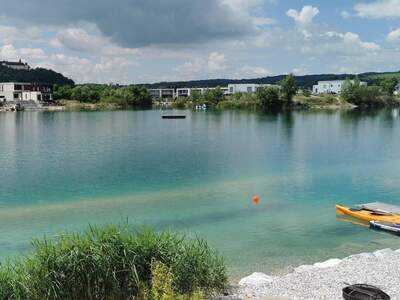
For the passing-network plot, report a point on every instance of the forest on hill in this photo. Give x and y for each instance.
(304, 81)
(37, 75)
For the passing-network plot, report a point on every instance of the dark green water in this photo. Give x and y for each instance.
(62, 171)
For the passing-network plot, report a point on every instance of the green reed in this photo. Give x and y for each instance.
(112, 262)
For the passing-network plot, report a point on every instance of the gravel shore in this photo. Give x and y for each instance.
(325, 280)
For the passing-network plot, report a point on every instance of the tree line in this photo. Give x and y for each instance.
(38, 75)
(127, 96)
(266, 97)
(362, 95)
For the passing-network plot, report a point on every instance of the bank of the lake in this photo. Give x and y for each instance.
(324, 280)
(63, 171)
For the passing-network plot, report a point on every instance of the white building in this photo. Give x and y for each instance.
(170, 93)
(23, 92)
(16, 65)
(162, 93)
(331, 86)
(245, 87)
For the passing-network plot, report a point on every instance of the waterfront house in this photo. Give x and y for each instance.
(247, 88)
(23, 93)
(331, 86)
(162, 93)
(242, 88)
(170, 93)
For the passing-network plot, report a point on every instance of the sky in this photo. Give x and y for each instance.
(144, 41)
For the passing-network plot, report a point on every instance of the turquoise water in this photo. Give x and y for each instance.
(65, 170)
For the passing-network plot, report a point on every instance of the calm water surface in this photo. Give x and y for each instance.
(63, 171)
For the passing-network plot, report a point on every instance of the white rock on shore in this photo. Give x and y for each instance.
(327, 279)
(256, 279)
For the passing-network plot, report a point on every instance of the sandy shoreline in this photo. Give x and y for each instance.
(325, 280)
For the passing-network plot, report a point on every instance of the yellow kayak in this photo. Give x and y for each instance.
(368, 215)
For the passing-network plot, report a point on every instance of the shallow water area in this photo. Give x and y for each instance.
(65, 170)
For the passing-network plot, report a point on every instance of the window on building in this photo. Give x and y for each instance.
(249, 89)
(231, 89)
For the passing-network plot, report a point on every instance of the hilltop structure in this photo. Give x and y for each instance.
(15, 65)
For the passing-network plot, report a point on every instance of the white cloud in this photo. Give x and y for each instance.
(261, 21)
(9, 52)
(300, 71)
(251, 72)
(345, 14)
(85, 70)
(144, 23)
(79, 40)
(347, 43)
(7, 34)
(213, 65)
(379, 9)
(216, 63)
(249, 10)
(32, 53)
(305, 16)
(394, 37)
(190, 70)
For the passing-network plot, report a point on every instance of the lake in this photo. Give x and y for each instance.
(65, 170)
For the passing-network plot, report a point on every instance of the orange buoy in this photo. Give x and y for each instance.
(256, 199)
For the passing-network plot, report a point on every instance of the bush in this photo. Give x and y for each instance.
(288, 88)
(180, 103)
(269, 98)
(114, 263)
(389, 84)
(240, 101)
(128, 96)
(307, 93)
(361, 95)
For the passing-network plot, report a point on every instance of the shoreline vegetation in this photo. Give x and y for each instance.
(119, 262)
(115, 262)
(284, 96)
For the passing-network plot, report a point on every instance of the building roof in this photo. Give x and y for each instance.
(13, 63)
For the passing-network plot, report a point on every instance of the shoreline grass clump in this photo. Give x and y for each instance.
(115, 262)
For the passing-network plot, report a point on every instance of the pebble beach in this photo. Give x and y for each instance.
(325, 280)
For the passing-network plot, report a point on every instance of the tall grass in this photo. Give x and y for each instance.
(112, 262)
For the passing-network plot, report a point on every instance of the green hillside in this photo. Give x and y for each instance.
(305, 81)
(38, 75)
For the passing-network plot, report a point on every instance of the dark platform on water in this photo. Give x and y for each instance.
(174, 117)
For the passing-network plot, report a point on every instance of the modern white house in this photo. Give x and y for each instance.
(162, 93)
(19, 92)
(331, 86)
(16, 65)
(170, 93)
(242, 88)
(231, 89)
